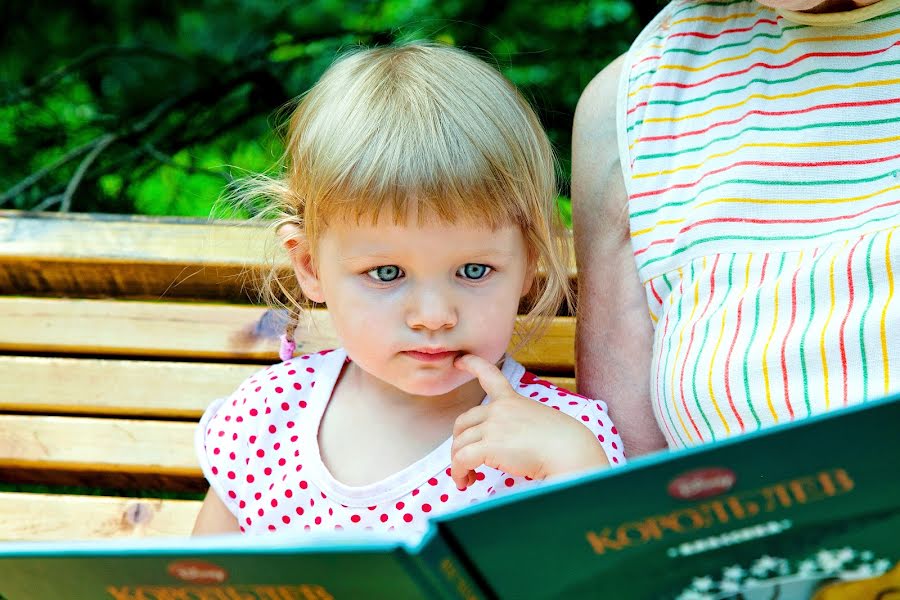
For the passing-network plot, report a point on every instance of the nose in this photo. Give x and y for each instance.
(431, 309)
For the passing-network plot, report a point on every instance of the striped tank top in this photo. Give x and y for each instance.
(762, 165)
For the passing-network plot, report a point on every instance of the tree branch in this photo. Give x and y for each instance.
(66, 202)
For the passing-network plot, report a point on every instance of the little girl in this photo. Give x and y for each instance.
(418, 203)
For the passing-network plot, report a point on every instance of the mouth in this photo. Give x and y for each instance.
(431, 355)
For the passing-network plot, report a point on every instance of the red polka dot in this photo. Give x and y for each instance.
(267, 471)
(281, 462)
(330, 512)
(242, 504)
(615, 459)
(415, 492)
(215, 470)
(250, 478)
(509, 482)
(285, 519)
(400, 505)
(318, 520)
(232, 455)
(600, 437)
(432, 481)
(426, 508)
(600, 422)
(288, 493)
(257, 495)
(297, 386)
(260, 512)
(614, 430)
(285, 406)
(249, 522)
(303, 485)
(216, 450)
(232, 495)
(448, 471)
(310, 370)
(299, 510)
(252, 439)
(253, 412)
(260, 453)
(272, 429)
(292, 372)
(384, 518)
(274, 502)
(279, 390)
(444, 497)
(294, 438)
(585, 418)
(276, 446)
(290, 424)
(408, 517)
(231, 475)
(355, 518)
(615, 446)
(479, 475)
(302, 404)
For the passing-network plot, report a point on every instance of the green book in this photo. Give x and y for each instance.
(805, 510)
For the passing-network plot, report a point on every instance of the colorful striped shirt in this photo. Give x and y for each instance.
(762, 165)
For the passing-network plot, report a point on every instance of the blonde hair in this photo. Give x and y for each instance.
(427, 127)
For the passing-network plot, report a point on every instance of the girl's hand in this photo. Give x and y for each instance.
(516, 435)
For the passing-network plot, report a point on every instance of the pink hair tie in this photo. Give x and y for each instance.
(286, 352)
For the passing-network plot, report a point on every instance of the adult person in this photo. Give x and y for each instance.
(736, 196)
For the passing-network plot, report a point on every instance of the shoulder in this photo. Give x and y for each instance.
(270, 391)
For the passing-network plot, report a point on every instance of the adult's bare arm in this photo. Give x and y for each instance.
(614, 335)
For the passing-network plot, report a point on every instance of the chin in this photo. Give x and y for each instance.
(428, 386)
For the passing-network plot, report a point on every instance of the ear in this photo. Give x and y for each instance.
(299, 252)
(529, 278)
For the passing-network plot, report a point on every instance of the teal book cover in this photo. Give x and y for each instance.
(804, 511)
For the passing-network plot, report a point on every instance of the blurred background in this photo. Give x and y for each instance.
(152, 107)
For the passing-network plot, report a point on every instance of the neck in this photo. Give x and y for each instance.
(832, 6)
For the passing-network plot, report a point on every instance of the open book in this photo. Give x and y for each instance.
(809, 509)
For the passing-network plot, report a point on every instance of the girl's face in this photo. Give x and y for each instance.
(806, 4)
(407, 299)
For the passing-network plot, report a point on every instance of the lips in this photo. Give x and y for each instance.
(431, 354)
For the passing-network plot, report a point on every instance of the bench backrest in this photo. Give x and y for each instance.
(115, 334)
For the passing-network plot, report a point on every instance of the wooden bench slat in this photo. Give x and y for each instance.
(196, 331)
(82, 386)
(136, 388)
(45, 517)
(98, 445)
(122, 256)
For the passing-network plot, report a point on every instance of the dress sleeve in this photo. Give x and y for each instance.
(595, 417)
(221, 445)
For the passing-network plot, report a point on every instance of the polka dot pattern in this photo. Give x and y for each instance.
(256, 454)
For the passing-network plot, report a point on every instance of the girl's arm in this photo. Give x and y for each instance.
(214, 517)
(614, 335)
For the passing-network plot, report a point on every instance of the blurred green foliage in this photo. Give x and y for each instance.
(152, 107)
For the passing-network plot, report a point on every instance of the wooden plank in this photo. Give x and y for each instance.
(111, 255)
(122, 256)
(197, 331)
(98, 445)
(46, 517)
(158, 389)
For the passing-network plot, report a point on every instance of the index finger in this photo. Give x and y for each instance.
(492, 381)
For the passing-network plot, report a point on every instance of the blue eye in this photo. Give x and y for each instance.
(473, 271)
(385, 274)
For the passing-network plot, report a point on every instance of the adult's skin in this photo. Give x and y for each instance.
(614, 333)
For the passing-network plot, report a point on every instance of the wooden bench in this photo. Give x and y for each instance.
(100, 318)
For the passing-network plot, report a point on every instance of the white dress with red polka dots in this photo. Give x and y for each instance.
(259, 450)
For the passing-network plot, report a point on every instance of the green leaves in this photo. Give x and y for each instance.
(188, 93)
